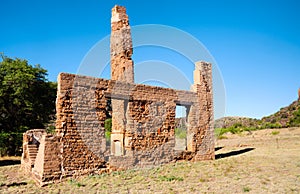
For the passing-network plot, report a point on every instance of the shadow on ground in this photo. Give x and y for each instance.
(13, 184)
(233, 153)
(9, 162)
(218, 148)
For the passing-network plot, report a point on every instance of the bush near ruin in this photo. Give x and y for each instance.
(27, 100)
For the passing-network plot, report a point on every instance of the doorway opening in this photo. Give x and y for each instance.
(118, 127)
(181, 127)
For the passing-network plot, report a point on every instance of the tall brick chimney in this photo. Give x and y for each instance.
(121, 70)
(299, 94)
(121, 46)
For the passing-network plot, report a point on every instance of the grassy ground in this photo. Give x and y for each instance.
(266, 161)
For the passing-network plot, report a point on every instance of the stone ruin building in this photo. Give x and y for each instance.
(143, 120)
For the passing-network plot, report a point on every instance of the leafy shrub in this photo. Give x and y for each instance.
(219, 132)
(50, 129)
(180, 133)
(237, 125)
(108, 124)
(10, 143)
(235, 130)
(295, 120)
(170, 178)
(246, 189)
(271, 125)
(250, 128)
(107, 135)
(275, 132)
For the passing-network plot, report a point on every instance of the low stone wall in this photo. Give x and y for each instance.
(31, 143)
(47, 167)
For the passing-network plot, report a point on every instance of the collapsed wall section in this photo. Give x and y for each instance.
(41, 156)
(47, 167)
(31, 144)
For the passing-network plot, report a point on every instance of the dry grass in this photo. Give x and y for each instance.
(273, 166)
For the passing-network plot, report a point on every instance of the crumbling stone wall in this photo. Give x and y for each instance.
(148, 125)
(79, 144)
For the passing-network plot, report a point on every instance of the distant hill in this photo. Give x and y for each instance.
(226, 122)
(287, 116)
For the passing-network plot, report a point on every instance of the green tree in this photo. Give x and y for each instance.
(27, 99)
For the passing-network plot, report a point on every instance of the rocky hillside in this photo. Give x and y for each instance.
(287, 116)
(226, 122)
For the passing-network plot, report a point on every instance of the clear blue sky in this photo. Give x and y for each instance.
(255, 43)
